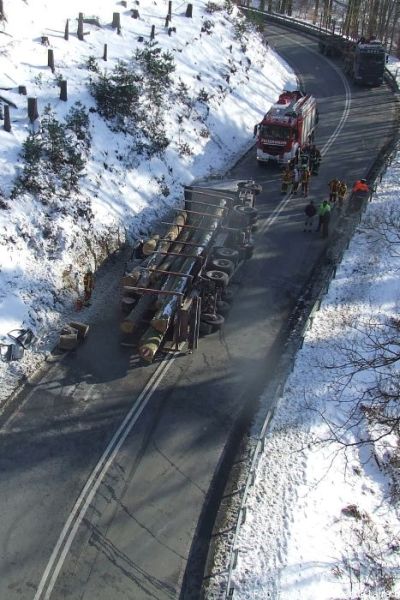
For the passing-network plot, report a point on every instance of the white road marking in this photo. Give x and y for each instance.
(78, 512)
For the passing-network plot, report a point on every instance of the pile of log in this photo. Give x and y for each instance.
(168, 266)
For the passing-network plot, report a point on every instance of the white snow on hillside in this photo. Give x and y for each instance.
(323, 518)
(45, 250)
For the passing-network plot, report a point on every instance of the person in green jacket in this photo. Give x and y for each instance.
(324, 214)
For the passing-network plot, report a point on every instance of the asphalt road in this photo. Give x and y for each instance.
(106, 465)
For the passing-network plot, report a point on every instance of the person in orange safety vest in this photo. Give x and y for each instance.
(360, 186)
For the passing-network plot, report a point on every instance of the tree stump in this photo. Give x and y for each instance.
(33, 113)
(116, 21)
(135, 13)
(124, 3)
(80, 27)
(189, 11)
(66, 30)
(7, 118)
(50, 59)
(63, 90)
(105, 52)
(153, 32)
(22, 90)
(140, 38)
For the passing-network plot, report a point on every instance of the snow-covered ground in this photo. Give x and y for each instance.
(323, 516)
(322, 522)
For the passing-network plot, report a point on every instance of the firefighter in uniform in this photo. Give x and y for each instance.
(305, 180)
(287, 177)
(88, 284)
(333, 189)
(315, 159)
(342, 190)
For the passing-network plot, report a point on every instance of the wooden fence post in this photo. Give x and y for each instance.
(66, 30)
(105, 52)
(7, 118)
(32, 109)
(189, 11)
(80, 27)
(63, 90)
(116, 22)
(50, 59)
(153, 32)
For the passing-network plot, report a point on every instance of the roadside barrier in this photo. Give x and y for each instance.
(327, 268)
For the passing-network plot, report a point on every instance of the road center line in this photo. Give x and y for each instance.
(78, 512)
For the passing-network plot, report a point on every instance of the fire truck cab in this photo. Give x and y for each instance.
(287, 125)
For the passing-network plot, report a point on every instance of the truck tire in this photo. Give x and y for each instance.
(215, 320)
(219, 277)
(223, 264)
(247, 214)
(227, 295)
(226, 253)
(205, 328)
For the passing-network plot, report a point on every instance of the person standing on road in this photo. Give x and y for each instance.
(295, 180)
(333, 189)
(286, 179)
(323, 209)
(342, 191)
(305, 181)
(310, 212)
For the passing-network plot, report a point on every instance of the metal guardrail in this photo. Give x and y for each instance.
(376, 172)
(313, 30)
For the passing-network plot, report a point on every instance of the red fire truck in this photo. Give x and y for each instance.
(288, 125)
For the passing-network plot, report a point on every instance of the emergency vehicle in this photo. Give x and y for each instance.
(288, 125)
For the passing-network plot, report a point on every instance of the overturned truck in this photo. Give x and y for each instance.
(178, 289)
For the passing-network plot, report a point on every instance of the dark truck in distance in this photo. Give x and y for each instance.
(364, 60)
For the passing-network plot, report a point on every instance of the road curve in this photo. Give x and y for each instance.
(109, 469)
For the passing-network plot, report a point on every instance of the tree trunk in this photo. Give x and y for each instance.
(7, 118)
(63, 90)
(66, 30)
(80, 27)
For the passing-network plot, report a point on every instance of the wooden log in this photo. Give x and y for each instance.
(80, 27)
(32, 109)
(116, 20)
(63, 90)
(7, 118)
(150, 344)
(68, 341)
(81, 329)
(134, 318)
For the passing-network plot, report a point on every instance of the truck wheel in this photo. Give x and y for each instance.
(205, 328)
(226, 253)
(223, 264)
(215, 320)
(219, 277)
(248, 213)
